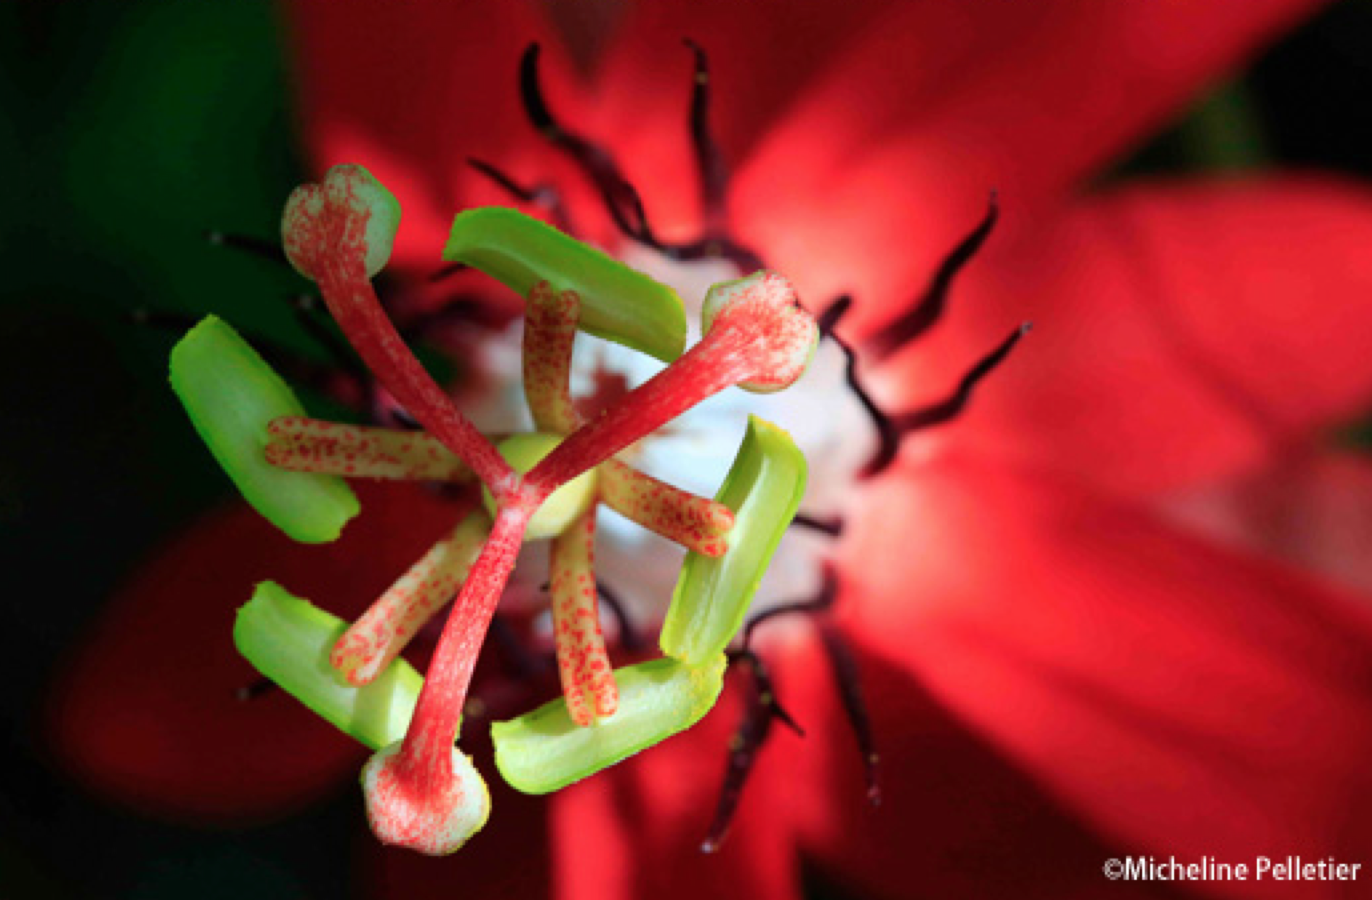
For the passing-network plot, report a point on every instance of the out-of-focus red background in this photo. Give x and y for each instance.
(126, 130)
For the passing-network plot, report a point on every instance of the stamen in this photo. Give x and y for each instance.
(845, 671)
(927, 310)
(314, 445)
(588, 682)
(948, 408)
(260, 247)
(760, 709)
(756, 336)
(549, 332)
(697, 523)
(384, 630)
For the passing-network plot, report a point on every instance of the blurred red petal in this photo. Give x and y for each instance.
(1183, 331)
(635, 830)
(412, 93)
(1181, 698)
(763, 55)
(893, 153)
(958, 819)
(1312, 511)
(145, 711)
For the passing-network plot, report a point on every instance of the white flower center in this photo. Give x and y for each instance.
(695, 451)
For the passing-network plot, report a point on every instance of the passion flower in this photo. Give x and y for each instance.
(421, 792)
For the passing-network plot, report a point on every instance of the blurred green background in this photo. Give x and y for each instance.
(128, 130)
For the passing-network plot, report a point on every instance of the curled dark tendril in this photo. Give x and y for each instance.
(830, 525)
(888, 436)
(256, 246)
(761, 709)
(629, 636)
(821, 601)
(846, 676)
(318, 324)
(620, 198)
(929, 307)
(254, 690)
(714, 175)
(951, 406)
(541, 194)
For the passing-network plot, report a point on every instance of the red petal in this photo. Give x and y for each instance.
(895, 152)
(411, 94)
(958, 819)
(635, 830)
(145, 710)
(1185, 700)
(1314, 512)
(762, 55)
(1182, 331)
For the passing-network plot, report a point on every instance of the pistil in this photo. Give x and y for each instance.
(415, 797)
(339, 233)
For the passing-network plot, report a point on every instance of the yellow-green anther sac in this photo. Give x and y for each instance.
(544, 750)
(618, 303)
(232, 395)
(288, 639)
(763, 488)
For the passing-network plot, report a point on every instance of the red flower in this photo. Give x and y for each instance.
(1103, 614)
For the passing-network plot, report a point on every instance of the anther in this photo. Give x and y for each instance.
(929, 307)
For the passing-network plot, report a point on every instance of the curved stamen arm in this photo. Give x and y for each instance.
(588, 683)
(369, 645)
(697, 523)
(302, 444)
(336, 233)
(550, 319)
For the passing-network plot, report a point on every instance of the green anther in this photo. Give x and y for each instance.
(543, 750)
(617, 302)
(289, 639)
(763, 488)
(231, 395)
